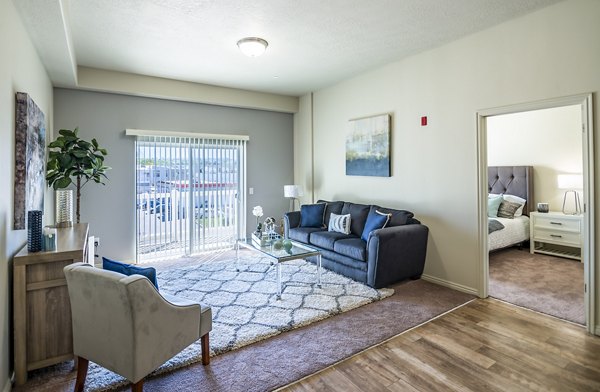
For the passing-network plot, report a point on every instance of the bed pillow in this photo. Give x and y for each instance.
(311, 215)
(128, 269)
(518, 200)
(339, 223)
(508, 209)
(375, 220)
(493, 205)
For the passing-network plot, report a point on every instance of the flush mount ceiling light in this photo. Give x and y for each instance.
(252, 46)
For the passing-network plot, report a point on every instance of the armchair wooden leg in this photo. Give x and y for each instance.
(138, 386)
(205, 350)
(82, 368)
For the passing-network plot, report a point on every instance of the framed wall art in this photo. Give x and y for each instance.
(368, 146)
(30, 159)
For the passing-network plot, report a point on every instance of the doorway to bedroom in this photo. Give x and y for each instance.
(539, 258)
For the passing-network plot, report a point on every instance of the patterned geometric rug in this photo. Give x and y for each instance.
(245, 307)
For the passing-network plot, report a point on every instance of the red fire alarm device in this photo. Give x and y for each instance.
(423, 121)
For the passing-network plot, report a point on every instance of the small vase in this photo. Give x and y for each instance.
(34, 231)
(64, 208)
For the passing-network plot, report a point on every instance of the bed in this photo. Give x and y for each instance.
(517, 181)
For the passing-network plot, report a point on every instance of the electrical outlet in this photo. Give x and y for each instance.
(96, 241)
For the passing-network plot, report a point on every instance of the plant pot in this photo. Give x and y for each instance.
(64, 208)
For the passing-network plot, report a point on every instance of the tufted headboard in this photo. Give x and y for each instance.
(513, 180)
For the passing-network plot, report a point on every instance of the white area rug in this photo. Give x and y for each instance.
(245, 306)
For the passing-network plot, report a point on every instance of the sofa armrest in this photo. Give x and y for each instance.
(396, 253)
(290, 221)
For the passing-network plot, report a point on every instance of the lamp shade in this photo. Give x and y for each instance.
(570, 181)
(292, 191)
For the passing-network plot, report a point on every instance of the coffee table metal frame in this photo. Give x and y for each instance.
(298, 251)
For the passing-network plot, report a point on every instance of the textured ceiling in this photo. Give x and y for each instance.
(312, 43)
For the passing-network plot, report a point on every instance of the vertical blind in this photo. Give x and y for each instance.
(189, 193)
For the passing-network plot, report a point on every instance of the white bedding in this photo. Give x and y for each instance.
(515, 230)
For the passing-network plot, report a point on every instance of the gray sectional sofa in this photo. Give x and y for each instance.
(391, 254)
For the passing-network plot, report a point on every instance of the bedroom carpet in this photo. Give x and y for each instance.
(547, 284)
(277, 361)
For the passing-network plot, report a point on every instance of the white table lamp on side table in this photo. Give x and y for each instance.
(571, 182)
(293, 192)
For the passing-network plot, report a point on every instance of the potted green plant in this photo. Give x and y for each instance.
(72, 158)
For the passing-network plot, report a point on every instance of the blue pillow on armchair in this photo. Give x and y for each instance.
(375, 220)
(128, 269)
(311, 215)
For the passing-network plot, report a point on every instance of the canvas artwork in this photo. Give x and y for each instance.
(368, 146)
(30, 159)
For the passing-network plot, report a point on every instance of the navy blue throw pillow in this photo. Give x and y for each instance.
(311, 215)
(128, 269)
(375, 220)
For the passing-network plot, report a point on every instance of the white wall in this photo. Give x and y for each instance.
(20, 70)
(550, 140)
(553, 52)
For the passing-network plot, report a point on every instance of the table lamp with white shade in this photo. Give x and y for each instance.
(571, 201)
(293, 192)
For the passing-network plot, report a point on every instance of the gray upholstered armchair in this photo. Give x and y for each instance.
(125, 325)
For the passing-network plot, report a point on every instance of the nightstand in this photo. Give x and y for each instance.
(557, 234)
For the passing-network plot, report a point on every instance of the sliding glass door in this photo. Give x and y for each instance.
(190, 195)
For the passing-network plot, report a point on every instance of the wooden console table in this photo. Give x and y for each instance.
(42, 311)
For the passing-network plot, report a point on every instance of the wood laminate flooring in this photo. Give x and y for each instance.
(486, 345)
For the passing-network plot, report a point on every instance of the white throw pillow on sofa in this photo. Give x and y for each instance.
(339, 223)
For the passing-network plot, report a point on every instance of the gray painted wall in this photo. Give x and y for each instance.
(110, 209)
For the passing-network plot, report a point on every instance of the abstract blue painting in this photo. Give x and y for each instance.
(368, 146)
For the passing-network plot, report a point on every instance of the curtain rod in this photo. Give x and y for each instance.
(143, 132)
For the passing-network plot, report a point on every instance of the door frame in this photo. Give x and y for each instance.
(589, 251)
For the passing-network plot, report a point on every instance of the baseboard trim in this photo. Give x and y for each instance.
(452, 285)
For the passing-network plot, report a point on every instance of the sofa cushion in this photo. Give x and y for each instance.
(302, 234)
(351, 247)
(342, 264)
(358, 214)
(128, 269)
(375, 220)
(398, 217)
(333, 207)
(326, 239)
(311, 215)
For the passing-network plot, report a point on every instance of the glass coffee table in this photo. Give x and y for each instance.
(298, 251)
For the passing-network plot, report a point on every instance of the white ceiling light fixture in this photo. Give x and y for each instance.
(252, 46)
